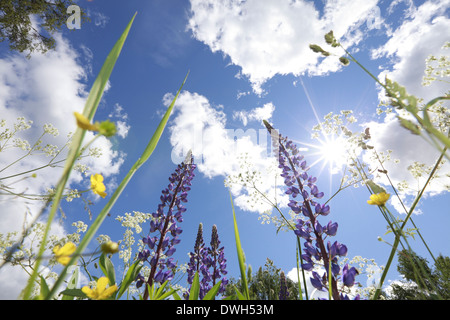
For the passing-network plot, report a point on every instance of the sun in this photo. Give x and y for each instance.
(333, 153)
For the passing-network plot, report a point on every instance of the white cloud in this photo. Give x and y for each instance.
(218, 151)
(407, 148)
(258, 114)
(271, 37)
(122, 117)
(423, 33)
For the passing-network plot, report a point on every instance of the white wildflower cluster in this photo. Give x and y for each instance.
(437, 68)
(21, 144)
(26, 253)
(22, 124)
(81, 168)
(51, 130)
(368, 268)
(51, 150)
(95, 152)
(249, 183)
(103, 238)
(132, 222)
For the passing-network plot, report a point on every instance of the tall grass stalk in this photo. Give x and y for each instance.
(89, 111)
(400, 230)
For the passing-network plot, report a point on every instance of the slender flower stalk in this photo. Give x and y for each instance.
(164, 231)
(300, 184)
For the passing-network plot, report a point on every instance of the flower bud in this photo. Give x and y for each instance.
(110, 247)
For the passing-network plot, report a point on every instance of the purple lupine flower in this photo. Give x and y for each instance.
(165, 225)
(301, 186)
(216, 260)
(284, 293)
(209, 262)
(348, 275)
(196, 260)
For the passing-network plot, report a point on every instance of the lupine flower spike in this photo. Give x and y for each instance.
(216, 260)
(305, 197)
(284, 293)
(202, 260)
(164, 231)
(196, 261)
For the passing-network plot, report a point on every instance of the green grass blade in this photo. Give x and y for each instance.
(166, 294)
(129, 278)
(239, 295)
(240, 254)
(212, 292)
(44, 287)
(195, 288)
(99, 85)
(176, 296)
(160, 290)
(157, 135)
(89, 110)
(90, 233)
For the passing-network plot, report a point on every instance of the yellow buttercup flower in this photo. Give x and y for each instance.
(83, 122)
(97, 185)
(379, 199)
(63, 254)
(100, 292)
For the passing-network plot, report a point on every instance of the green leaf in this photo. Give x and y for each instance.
(151, 290)
(195, 288)
(108, 268)
(166, 294)
(212, 292)
(375, 187)
(176, 296)
(240, 254)
(74, 293)
(240, 296)
(44, 287)
(407, 124)
(131, 275)
(160, 290)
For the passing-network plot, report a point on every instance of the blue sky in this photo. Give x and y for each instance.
(249, 59)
